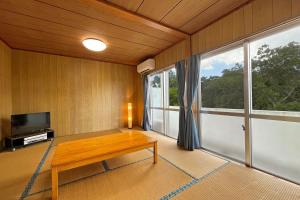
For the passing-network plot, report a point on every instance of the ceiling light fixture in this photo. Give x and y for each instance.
(94, 44)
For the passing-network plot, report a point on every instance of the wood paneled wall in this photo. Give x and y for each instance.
(82, 95)
(254, 17)
(5, 90)
(175, 53)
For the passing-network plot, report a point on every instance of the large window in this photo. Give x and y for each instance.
(272, 97)
(248, 102)
(222, 80)
(275, 64)
(222, 90)
(164, 103)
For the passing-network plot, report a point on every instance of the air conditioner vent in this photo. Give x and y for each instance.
(146, 66)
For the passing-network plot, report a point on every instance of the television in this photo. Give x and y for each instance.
(26, 124)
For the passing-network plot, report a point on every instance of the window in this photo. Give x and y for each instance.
(156, 90)
(224, 135)
(276, 147)
(171, 116)
(264, 134)
(157, 120)
(275, 64)
(222, 90)
(222, 80)
(172, 88)
(156, 102)
(164, 103)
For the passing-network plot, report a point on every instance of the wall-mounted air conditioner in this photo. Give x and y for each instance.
(146, 66)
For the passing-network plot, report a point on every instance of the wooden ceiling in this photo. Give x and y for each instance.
(144, 30)
(186, 15)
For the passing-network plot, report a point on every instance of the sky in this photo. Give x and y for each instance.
(214, 65)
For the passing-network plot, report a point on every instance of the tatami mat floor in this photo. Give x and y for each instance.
(179, 174)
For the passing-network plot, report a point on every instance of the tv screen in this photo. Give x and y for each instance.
(24, 124)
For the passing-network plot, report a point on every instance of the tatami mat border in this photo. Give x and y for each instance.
(191, 183)
(36, 173)
(174, 165)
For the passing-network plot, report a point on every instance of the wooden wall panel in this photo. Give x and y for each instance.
(5, 91)
(295, 8)
(226, 24)
(262, 14)
(213, 35)
(248, 18)
(254, 17)
(198, 41)
(82, 95)
(173, 54)
(238, 24)
(282, 10)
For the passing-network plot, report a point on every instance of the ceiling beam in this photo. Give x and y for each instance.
(134, 17)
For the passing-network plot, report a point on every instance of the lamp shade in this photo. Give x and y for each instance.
(129, 115)
(94, 44)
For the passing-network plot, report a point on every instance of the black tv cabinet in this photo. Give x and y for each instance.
(21, 141)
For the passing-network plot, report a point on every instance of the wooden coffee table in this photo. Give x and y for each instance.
(82, 152)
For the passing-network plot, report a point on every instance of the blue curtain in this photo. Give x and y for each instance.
(146, 118)
(180, 73)
(192, 139)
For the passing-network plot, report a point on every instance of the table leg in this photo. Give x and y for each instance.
(155, 152)
(54, 183)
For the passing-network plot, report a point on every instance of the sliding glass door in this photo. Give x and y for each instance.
(275, 117)
(157, 103)
(172, 105)
(248, 102)
(222, 103)
(164, 103)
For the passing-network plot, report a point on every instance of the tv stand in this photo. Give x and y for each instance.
(24, 140)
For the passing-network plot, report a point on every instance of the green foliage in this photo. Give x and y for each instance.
(173, 100)
(225, 91)
(173, 89)
(275, 79)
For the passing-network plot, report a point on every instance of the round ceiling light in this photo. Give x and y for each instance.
(94, 44)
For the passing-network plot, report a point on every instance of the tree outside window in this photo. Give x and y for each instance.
(173, 88)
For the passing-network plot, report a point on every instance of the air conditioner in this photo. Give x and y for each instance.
(146, 66)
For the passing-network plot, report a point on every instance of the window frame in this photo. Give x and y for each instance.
(248, 113)
(165, 108)
(210, 54)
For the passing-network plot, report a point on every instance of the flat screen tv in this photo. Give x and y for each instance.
(26, 124)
